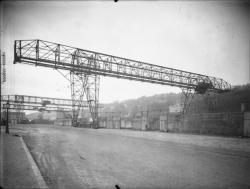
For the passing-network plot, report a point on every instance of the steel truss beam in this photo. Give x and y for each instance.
(57, 56)
(20, 107)
(19, 103)
(84, 64)
(44, 101)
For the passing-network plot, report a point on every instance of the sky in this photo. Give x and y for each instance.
(210, 38)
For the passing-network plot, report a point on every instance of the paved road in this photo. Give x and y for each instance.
(86, 158)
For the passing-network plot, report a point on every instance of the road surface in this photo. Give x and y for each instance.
(86, 158)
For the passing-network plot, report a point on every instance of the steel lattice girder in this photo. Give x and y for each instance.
(18, 107)
(57, 56)
(26, 99)
(25, 102)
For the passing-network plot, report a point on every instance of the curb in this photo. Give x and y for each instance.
(35, 169)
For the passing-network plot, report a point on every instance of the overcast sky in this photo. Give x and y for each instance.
(210, 38)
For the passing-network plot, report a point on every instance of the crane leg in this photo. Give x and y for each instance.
(84, 85)
(186, 99)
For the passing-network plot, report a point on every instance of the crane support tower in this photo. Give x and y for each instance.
(85, 68)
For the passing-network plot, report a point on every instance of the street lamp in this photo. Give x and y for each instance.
(7, 106)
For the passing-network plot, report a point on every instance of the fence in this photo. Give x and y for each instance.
(230, 124)
(224, 123)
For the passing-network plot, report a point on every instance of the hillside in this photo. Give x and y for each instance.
(151, 103)
(224, 102)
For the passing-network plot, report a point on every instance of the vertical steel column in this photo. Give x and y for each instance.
(93, 92)
(186, 99)
(93, 98)
(88, 86)
(78, 82)
(83, 86)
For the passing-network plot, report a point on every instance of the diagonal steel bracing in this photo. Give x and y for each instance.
(86, 67)
(57, 56)
(78, 84)
(84, 85)
(186, 99)
(19, 103)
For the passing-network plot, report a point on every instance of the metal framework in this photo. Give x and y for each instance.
(13, 106)
(19, 103)
(43, 101)
(187, 97)
(86, 66)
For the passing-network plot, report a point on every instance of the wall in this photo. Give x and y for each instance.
(63, 119)
(138, 123)
(63, 122)
(153, 123)
(228, 124)
(247, 124)
(126, 123)
(110, 122)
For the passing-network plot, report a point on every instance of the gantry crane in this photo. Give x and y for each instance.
(85, 68)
